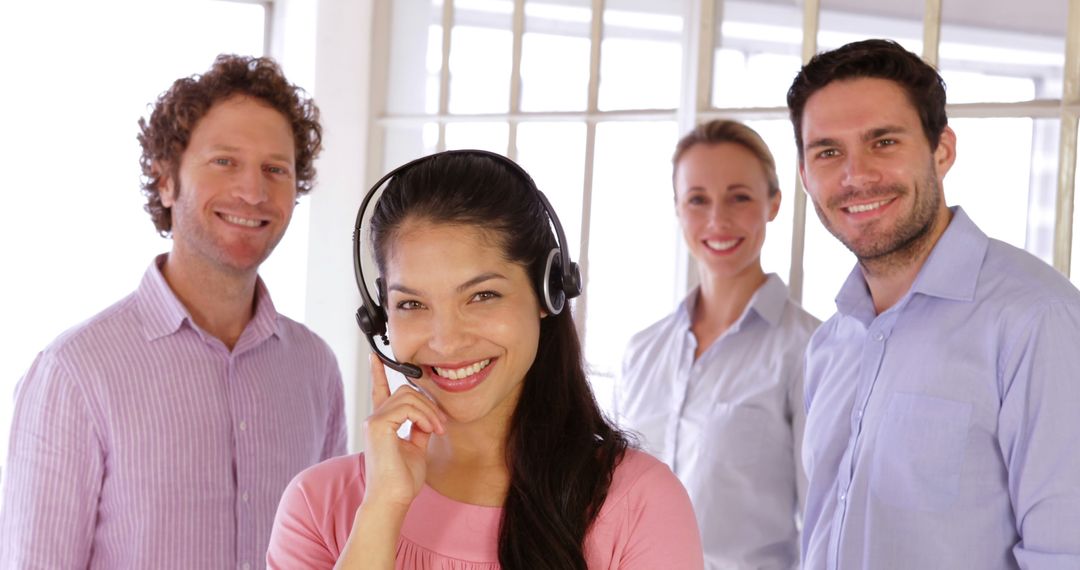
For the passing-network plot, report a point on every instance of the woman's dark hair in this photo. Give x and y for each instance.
(165, 136)
(878, 59)
(561, 451)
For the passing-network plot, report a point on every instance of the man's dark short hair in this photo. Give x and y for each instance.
(165, 136)
(879, 59)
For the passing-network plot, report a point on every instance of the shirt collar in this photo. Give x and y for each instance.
(951, 271)
(767, 302)
(163, 313)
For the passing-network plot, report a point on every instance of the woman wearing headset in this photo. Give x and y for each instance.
(509, 463)
(715, 388)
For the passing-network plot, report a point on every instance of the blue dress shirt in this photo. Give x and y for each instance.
(941, 433)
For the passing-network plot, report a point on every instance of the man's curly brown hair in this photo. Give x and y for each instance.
(166, 135)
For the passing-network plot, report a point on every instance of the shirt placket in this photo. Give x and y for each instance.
(873, 352)
(243, 429)
(680, 388)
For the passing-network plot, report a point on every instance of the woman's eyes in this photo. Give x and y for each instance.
(485, 296)
(414, 305)
(409, 305)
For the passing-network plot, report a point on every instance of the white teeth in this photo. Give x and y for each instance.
(721, 245)
(866, 207)
(459, 373)
(241, 221)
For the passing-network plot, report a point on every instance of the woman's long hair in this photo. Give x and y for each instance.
(561, 451)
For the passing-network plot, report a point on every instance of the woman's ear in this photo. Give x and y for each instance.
(774, 205)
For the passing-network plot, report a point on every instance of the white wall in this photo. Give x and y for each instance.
(331, 40)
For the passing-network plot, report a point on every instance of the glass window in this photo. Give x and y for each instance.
(826, 264)
(490, 136)
(1022, 179)
(999, 53)
(74, 231)
(554, 155)
(415, 57)
(759, 52)
(845, 21)
(776, 253)
(632, 242)
(555, 56)
(641, 55)
(481, 45)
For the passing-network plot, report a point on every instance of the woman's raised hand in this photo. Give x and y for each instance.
(395, 468)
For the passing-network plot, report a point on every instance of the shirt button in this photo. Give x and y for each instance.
(244, 497)
(843, 496)
(858, 414)
(246, 566)
(243, 425)
(879, 336)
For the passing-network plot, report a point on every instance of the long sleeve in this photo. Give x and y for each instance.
(297, 540)
(662, 530)
(54, 475)
(1038, 430)
(336, 429)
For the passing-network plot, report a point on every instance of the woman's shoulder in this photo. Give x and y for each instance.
(330, 481)
(647, 520)
(641, 477)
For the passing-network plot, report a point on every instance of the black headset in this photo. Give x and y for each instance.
(561, 279)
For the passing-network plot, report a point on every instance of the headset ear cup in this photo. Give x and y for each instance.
(551, 287)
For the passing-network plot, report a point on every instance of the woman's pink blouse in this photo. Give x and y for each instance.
(646, 523)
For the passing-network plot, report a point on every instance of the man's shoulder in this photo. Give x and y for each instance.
(98, 332)
(301, 336)
(1019, 279)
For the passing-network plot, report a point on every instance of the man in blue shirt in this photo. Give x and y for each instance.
(943, 396)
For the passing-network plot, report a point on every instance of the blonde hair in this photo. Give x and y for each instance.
(720, 131)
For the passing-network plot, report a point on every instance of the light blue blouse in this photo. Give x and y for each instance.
(728, 424)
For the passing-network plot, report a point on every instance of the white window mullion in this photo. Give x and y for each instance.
(811, 15)
(515, 77)
(1070, 98)
(596, 36)
(931, 31)
(444, 71)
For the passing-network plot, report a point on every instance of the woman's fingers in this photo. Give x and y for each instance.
(380, 386)
(406, 404)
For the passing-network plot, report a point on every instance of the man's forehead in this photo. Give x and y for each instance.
(859, 104)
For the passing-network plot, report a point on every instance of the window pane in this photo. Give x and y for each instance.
(632, 242)
(826, 264)
(845, 21)
(481, 45)
(759, 53)
(415, 57)
(776, 253)
(1000, 53)
(554, 154)
(641, 55)
(1014, 200)
(490, 136)
(74, 237)
(404, 143)
(555, 56)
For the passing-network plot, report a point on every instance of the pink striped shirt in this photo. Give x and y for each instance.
(140, 441)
